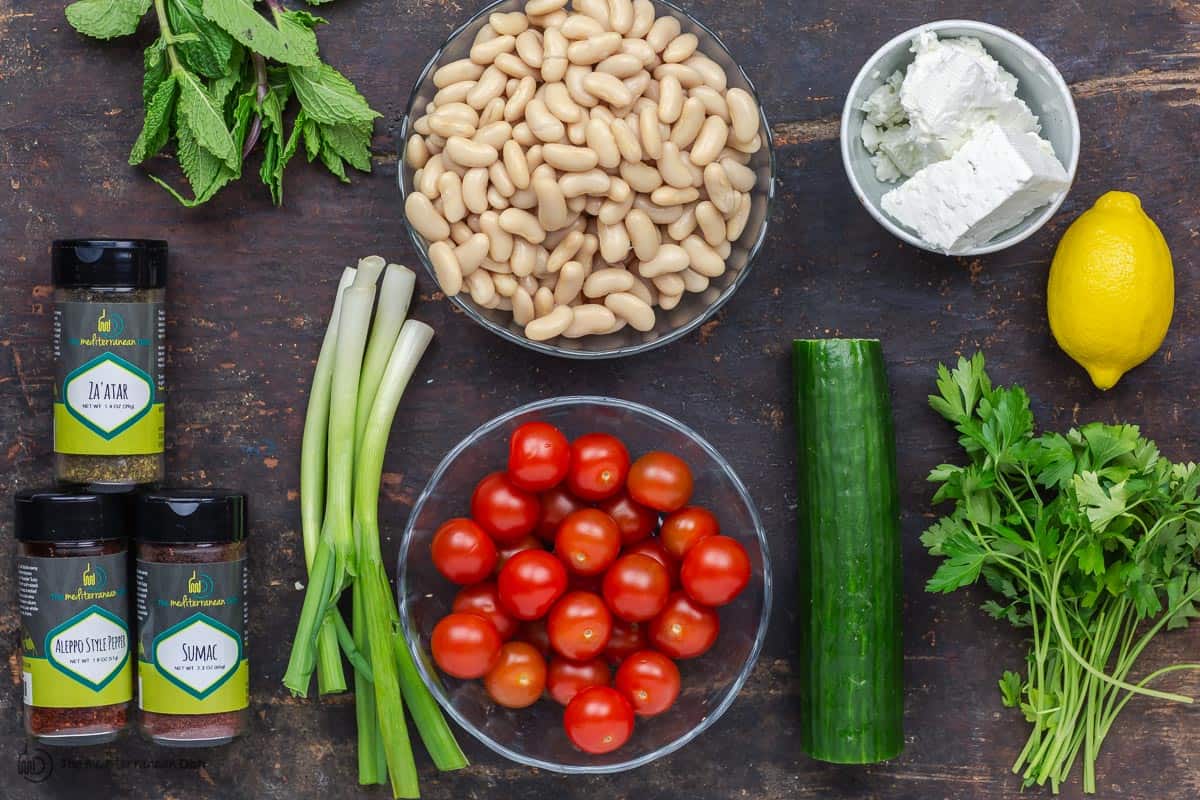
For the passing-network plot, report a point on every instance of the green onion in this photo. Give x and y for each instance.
(330, 677)
(361, 376)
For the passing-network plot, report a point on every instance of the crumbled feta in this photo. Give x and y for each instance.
(989, 185)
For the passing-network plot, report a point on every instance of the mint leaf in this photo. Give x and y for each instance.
(157, 127)
(328, 97)
(312, 139)
(156, 68)
(333, 162)
(293, 44)
(350, 143)
(205, 172)
(206, 120)
(209, 53)
(106, 19)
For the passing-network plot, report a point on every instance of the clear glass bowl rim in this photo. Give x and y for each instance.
(581, 354)
(412, 638)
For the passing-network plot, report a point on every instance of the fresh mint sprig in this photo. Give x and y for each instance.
(1090, 540)
(218, 82)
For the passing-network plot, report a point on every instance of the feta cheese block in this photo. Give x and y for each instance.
(989, 185)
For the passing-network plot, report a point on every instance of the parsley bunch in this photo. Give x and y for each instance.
(218, 80)
(1090, 539)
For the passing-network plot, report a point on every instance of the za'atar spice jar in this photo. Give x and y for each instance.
(73, 598)
(109, 359)
(193, 671)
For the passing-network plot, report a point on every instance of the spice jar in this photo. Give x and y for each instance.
(110, 359)
(193, 674)
(73, 598)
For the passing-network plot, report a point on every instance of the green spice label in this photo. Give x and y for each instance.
(109, 386)
(74, 630)
(191, 637)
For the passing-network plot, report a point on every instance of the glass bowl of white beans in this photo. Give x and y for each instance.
(534, 735)
(590, 179)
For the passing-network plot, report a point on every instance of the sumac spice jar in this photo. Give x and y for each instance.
(110, 360)
(73, 598)
(193, 674)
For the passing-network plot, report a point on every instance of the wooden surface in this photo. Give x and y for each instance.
(251, 285)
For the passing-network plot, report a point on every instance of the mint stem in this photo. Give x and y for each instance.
(260, 76)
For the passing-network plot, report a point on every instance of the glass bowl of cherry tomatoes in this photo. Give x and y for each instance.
(584, 584)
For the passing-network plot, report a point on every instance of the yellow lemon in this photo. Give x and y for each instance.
(1112, 288)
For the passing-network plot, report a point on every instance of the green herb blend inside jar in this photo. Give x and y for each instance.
(110, 359)
(73, 598)
(193, 674)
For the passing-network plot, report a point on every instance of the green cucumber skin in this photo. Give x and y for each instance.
(851, 593)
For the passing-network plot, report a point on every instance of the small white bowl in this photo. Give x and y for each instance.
(1040, 85)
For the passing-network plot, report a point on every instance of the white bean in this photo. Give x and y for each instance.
(720, 192)
(670, 258)
(711, 223)
(455, 72)
(608, 88)
(500, 241)
(470, 253)
(606, 281)
(424, 218)
(737, 223)
(680, 48)
(740, 176)
(550, 325)
(543, 301)
(522, 305)
(703, 258)
(632, 309)
(570, 283)
(594, 49)
(551, 202)
(643, 234)
(450, 188)
(466, 153)
(588, 319)
(569, 158)
(511, 23)
(446, 268)
(521, 223)
(709, 142)
(479, 284)
(662, 33)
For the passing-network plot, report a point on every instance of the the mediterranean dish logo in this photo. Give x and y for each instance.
(93, 585)
(199, 594)
(109, 331)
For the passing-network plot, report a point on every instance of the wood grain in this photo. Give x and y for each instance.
(251, 286)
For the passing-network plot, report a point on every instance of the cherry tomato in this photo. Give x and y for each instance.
(650, 682)
(636, 587)
(579, 626)
(567, 678)
(685, 527)
(463, 552)
(529, 542)
(534, 632)
(599, 464)
(588, 541)
(484, 600)
(655, 549)
(684, 629)
(626, 639)
(635, 521)
(556, 505)
(598, 720)
(519, 676)
(661, 481)
(538, 456)
(715, 570)
(530, 583)
(465, 645)
(503, 510)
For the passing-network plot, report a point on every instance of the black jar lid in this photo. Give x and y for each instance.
(186, 516)
(119, 263)
(73, 515)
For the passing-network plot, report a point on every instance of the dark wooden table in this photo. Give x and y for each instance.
(251, 285)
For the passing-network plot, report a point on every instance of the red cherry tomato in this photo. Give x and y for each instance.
(626, 639)
(534, 632)
(650, 682)
(715, 570)
(538, 456)
(598, 720)
(684, 629)
(636, 587)
(655, 549)
(681, 530)
(661, 481)
(599, 464)
(588, 541)
(483, 599)
(579, 626)
(530, 583)
(503, 510)
(465, 645)
(557, 504)
(463, 552)
(635, 521)
(519, 676)
(529, 542)
(567, 678)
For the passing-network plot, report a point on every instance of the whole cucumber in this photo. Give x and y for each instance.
(851, 648)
